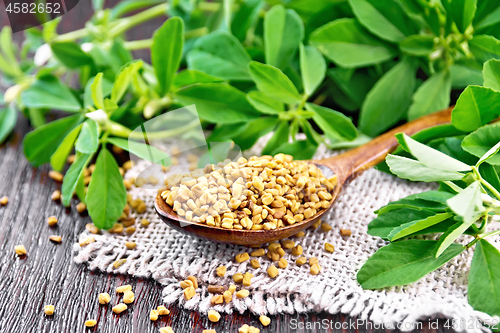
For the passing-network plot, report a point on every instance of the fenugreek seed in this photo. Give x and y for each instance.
(216, 299)
(315, 269)
(144, 222)
(313, 260)
(119, 262)
(221, 271)
(242, 257)
(255, 263)
(194, 280)
(166, 329)
(55, 175)
(300, 234)
(127, 183)
(213, 316)
(232, 289)
(297, 250)
(329, 247)
(209, 331)
(104, 298)
(185, 284)
(124, 288)
(247, 279)
(316, 224)
(153, 315)
(56, 195)
(345, 232)
(162, 311)
(141, 208)
(92, 228)
(56, 239)
(87, 241)
(119, 308)
(274, 256)
(215, 289)
(189, 293)
(128, 222)
(128, 165)
(264, 320)
(272, 271)
(228, 296)
(52, 221)
(274, 246)
(130, 245)
(71, 159)
(258, 253)
(49, 310)
(301, 261)
(130, 230)
(242, 293)
(287, 244)
(282, 263)
(238, 277)
(90, 323)
(248, 329)
(280, 252)
(128, 297)
(81, 207)
(326, 227)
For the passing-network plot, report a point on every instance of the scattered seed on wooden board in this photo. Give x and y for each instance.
(162, 310)
(221, 271)
(119, 308)
(247, 277)
(326, 227)
(228, 296)
(216, 299)
(282, 263)
(49, 310)
(52, 221)
(238, 277)
(213, 316)
(166, 329)
(119, 262)
(56, 195)
(265, 320)
(92, 228)
(128, 297)
(90, 323)
(81, 207)
(55, 175)
(215, 289)
(153, 315)
(313, 260)
(130, 245)
(194, 280)
(104, 298)
(297, 250)
(315, 269)
(329, 247)
(87, 241)
(248, 329)
(242, 257)
(272, 271)
(345, 232)
(258, 253)
(56, 239)
(124, 288)
(189, 293)
(255, 263)
(301, 261)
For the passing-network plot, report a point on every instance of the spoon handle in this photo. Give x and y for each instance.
(352, 163)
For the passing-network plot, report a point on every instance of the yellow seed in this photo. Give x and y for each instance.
(119, 262)
(329, 247)
(228, 296)
(282, 263)
(280, 252)
(194, 280)
(92, 228)
(87, 241)
(216, 299)
(313, 260)
(221, 271)
(124, 288)
(185, 284)
(315, 269)
(128, 165)
(104, 298)
(141, 208)
(119, 308)
(238, 277)
(258, 253)
(166, 329)
(242, 257)
(144, 222)
(81, 207)
(248, 329)
(215, 289)
(242, 293)
(55, 175)
(247, 279)
(163, 311)
(49, 310)
(345, 232)
(272, 271)
(153, 315)
(209, 331)
(189, 293)
(56, 195)
(255, 263)
(274, 246)
(297, 250)
(130, 245)
(232, 288)
(264, 320)
(326, 227)
(130, 230)
(90, 323)
(128, 184)
(213, 316)
(128, 297)
(287, 244)
(117, 228)
(71, 159)
(55, 238)
(52, 221)
(316, 224)
(301, 261)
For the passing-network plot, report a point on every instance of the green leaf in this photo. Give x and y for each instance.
(433, 95)
(416, 171)
(71, 55)
(462, 12)
(142, 150)
(106, 196)
(312, 68)
(8, 119)
(217, 102)
(384, 224)
(385, 19)
(41, 143)
(463, 75)
(8, 48)
(485, 47)
(123, 79)
(484, 279)
(97, 94)
(300, 149)
(430, 200)
(475, 107)
(166, 51)
(72, 176)
(223, 133)
(489, 174)
(254, 129)
(401, 263)
(333, 123)
(49, 93)
(245, 18)
(479, 142)
(397, 85)
(419, 45)
(265, 104)
(272, 82)
(491, 74)
(468, 202)
(88, 140)
(279, 137)
(415, 226)
(430, 157)
(106, 85)
(349, 45)
(283, 32)
(58, 159)
(220, 54)
(355, 84)
(188, 77)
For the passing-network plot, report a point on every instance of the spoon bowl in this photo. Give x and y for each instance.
(346, 167)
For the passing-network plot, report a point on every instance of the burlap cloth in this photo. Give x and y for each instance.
(169, 257)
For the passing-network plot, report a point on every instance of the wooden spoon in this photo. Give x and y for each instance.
(346, 166)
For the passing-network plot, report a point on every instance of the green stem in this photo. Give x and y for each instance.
(146, 43)
(71, 36)
(489, 234)
(123, 132)
(137, 19)
(485, 183)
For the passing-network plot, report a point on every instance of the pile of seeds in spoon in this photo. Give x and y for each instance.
(259, 193)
